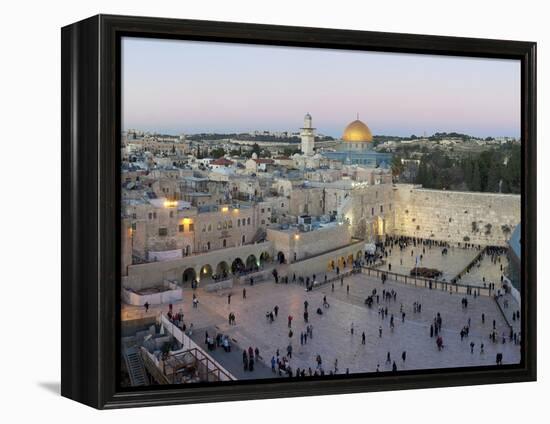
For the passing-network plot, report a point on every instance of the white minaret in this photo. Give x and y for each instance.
(308, 136)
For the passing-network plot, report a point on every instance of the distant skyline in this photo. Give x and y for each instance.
(173, 87)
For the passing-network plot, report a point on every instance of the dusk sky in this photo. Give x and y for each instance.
(190, 87)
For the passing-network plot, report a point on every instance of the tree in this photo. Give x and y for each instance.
(217, 152)
(476, 178)
(256, 149)
(396, 166)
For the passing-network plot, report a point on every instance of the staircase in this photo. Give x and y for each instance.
(136, 369)
(259, 236)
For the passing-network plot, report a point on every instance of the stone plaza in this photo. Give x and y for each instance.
(332, 336)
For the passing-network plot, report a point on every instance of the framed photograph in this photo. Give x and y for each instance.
(254, 211)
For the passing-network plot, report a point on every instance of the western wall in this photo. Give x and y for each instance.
(454, 216)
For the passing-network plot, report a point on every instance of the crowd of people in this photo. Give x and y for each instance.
(388, 303)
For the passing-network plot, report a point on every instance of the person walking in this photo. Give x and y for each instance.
(229, 299)
(404, 356)
(276, 310)
(146, 307)
(363, 338)
(289, 321)
(244, 293)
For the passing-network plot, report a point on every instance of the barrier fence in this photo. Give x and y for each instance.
(428, 283)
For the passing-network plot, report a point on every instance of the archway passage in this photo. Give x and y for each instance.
(206, 272)
(350, 259)
(251, 263)
(281, 257)
(264, 258)
(188, 276)
(331, 265)
(222, 270)
(359, 255)
(341, 262)
(237, 266)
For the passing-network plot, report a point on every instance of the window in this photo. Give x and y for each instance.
(180, 228)
(372, 211)
(269, 209)
(171, 214)
(133, 226)
(204, 228)
(243, 239)
(381, 209)
(229, 224)
(248, 221)
(154, 215)
(390, 206)
(282, 205)
(163, 231)
(238, 222)
(224, 243)
(134, 215)
(191, 227)
(263, 210)
(263, 221)
(150, 215)
(209, 227)
(208, 246)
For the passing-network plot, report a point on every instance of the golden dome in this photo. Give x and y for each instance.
(357, 132)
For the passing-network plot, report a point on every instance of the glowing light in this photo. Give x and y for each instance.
(187, 221)
(296, 236)
(225, 209)
(170, 203)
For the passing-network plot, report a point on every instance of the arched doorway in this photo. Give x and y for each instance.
(251, 262)
(331, 265)
(359, 255)
(341, 262)
(264, 257)
(281, 257)
(350, 259)
(237, 265)
(222, 270)
(188, 276)
(206, 272)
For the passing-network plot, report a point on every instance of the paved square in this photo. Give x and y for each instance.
(332, 338)
(402, 261)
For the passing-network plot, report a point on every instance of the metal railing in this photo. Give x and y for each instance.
(428, 283)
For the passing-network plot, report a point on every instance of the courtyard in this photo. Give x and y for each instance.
(451, 264)
(332, 338)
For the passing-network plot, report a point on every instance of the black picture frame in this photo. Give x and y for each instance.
(91, 207)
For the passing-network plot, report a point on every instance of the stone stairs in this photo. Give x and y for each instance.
(136, 369)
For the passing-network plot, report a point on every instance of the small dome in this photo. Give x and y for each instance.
(357, 132)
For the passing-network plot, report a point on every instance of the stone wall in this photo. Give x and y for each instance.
(141, 276)
(297, 246)
(458, 217)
